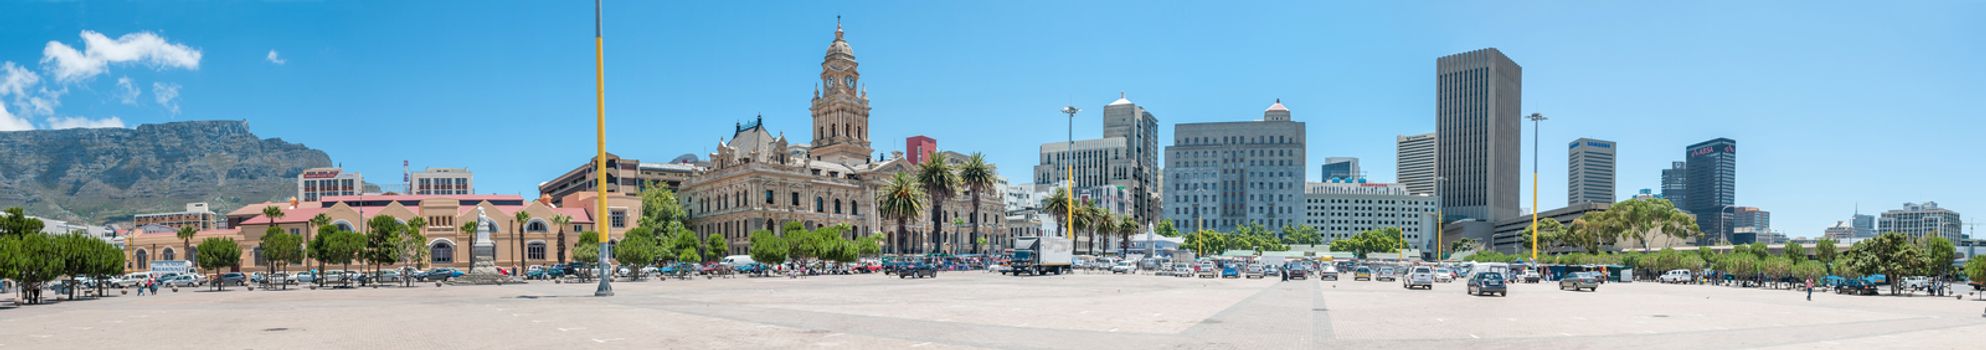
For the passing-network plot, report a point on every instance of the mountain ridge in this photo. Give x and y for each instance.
(106, 175)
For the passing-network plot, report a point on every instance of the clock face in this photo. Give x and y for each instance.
(850, 81)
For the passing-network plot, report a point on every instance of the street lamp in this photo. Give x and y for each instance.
(1439, 233)
(1536, 119)
(1069, 177)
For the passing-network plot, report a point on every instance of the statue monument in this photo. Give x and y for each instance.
(484, 270)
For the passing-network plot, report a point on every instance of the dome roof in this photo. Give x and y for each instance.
(839, 47)
(1277, 107)
(1120, 100)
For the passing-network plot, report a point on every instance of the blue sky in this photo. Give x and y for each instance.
(1832, 103)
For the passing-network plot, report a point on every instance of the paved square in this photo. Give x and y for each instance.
(978, 310)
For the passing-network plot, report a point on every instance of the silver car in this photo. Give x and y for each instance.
(1419, 277)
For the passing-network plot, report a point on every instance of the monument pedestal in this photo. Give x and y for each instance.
(484, 271)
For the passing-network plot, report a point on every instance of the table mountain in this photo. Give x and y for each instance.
(106, 175)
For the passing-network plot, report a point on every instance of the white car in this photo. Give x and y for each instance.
(1442, 275)
(1123, 267)
(181, 281)
(1675, 276)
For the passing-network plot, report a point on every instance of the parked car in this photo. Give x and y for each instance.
(1589, 281)
(1443, 275)
(307, 277)
(1298, 272)
(233, 279)
(438, 274)
(1123, 267)
(1328, 272)
(1419, 277)
(1207, 270)
(1675, 276)
(1182, 270)
(1255, 271)
(918, 270)
(386, 276)
(1362, 273)
(1230, 271)
(1531, 276)
(1387, 274)
(131, 280)
(181, 280)
(1487, 283)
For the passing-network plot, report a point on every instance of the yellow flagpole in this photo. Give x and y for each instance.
(600, 147)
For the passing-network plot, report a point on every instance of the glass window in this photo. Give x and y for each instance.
(534, 251)
(441, 253)
(618, 218)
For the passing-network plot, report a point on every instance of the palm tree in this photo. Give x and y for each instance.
(470, 228)
(1087, 215)
(1127, 225)
(1058, 204)
(939, 183)
(900, 199)
(316, 223)
(978, 177)
(186, 238)
(522, 218)
(563, 221)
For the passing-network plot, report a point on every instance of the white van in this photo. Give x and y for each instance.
(737, 260)
(1675, 276)
(1482, 267)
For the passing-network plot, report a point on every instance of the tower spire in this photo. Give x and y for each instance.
(837, 27)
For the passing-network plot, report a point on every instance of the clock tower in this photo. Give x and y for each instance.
(840, 107)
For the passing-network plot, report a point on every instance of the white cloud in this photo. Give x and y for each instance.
(84, 123)
(167, 95)
(126, 92)
(276, 58)
(10, 123)
(15, 80)
(70, 65)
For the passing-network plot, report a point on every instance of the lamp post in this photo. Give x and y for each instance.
(605, 289)
(1069, 177)
(1439, 233)
(1536, 119)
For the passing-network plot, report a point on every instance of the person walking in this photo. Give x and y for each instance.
(1285, 272)
(1810, 289)
(142, 286)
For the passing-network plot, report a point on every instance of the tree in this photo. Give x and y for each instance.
(320, 223)
(471, 228)
(1795, 251)
(1378, 240)
(217, 253)
(280, 249)
(639, 248)
(1127, 225)
(977, 176)
(1463, 245)
(186, 239)
(17, 223)
(659, 207)
(587, 249)
(562, 221)
(899, 199)
(1825, 251)
(1938, 254)
(767, 248)
(1637, 218)
(23, 257)
(716, 245)
(1165, 229)
(382, 242)
(1551, 234)
(1302, 234)
(517, 240)
(939, 182)
(338, 247)
(1206, 242)
(413, 246)
(1059, 204)
(1890, 254)
(1975, 269)
(1087, 216)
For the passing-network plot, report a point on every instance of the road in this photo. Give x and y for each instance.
(978, 310)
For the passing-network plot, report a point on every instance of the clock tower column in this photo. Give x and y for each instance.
(840, 107)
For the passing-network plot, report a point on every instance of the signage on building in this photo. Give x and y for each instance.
(171, 266)
(321, 174)
(1699, 152)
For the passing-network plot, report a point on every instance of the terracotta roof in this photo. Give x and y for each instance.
(408, 197)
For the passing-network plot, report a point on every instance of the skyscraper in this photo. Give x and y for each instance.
(1477, 107)
(1416, 163)
(1675, 183)
(1926, 219)
(1126, 157)
(1590, 172)
(1226, 174)
(1712, 185)
(1865, 225)
(1339, 167)
(1749, 224)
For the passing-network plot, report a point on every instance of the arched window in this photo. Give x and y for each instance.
(193, 254)
(142, 263)
(534, 251)
(441, 252)
(343, 225)
(258, 257)
(167, 255)
(538, 226)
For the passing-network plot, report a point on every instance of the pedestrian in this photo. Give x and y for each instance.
(1285, 272)
(142, 286)
(1810, 289)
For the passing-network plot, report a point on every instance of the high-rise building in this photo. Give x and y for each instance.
(1341, 208)
(1590, 171)
(317, 183)
(1340, 168)
(1865, 225)
(1749, 224)
(1712, 185)
(1675, 183)
(1919, 220)
(632, 174)
(442, 181)
(918, 148)
(1478, 104)
(1416, 162)
(197, 216)
(1126, 156)
(1236, 173)
(1840, 231)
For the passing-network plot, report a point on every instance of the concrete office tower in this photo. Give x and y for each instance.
(1416, 162)
(1839, 232)
(918, 148)
(1675, 183)
(1590, 172)
(442, 181)
(1919, 220)
(1227, 174)
(1865, 225)
(1712, 186)
(1339, 168)
(1126, 156)
(1478, 104)
(1342, 208)
(1749, 224)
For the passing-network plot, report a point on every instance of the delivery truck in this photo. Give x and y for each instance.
(1041, 255)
